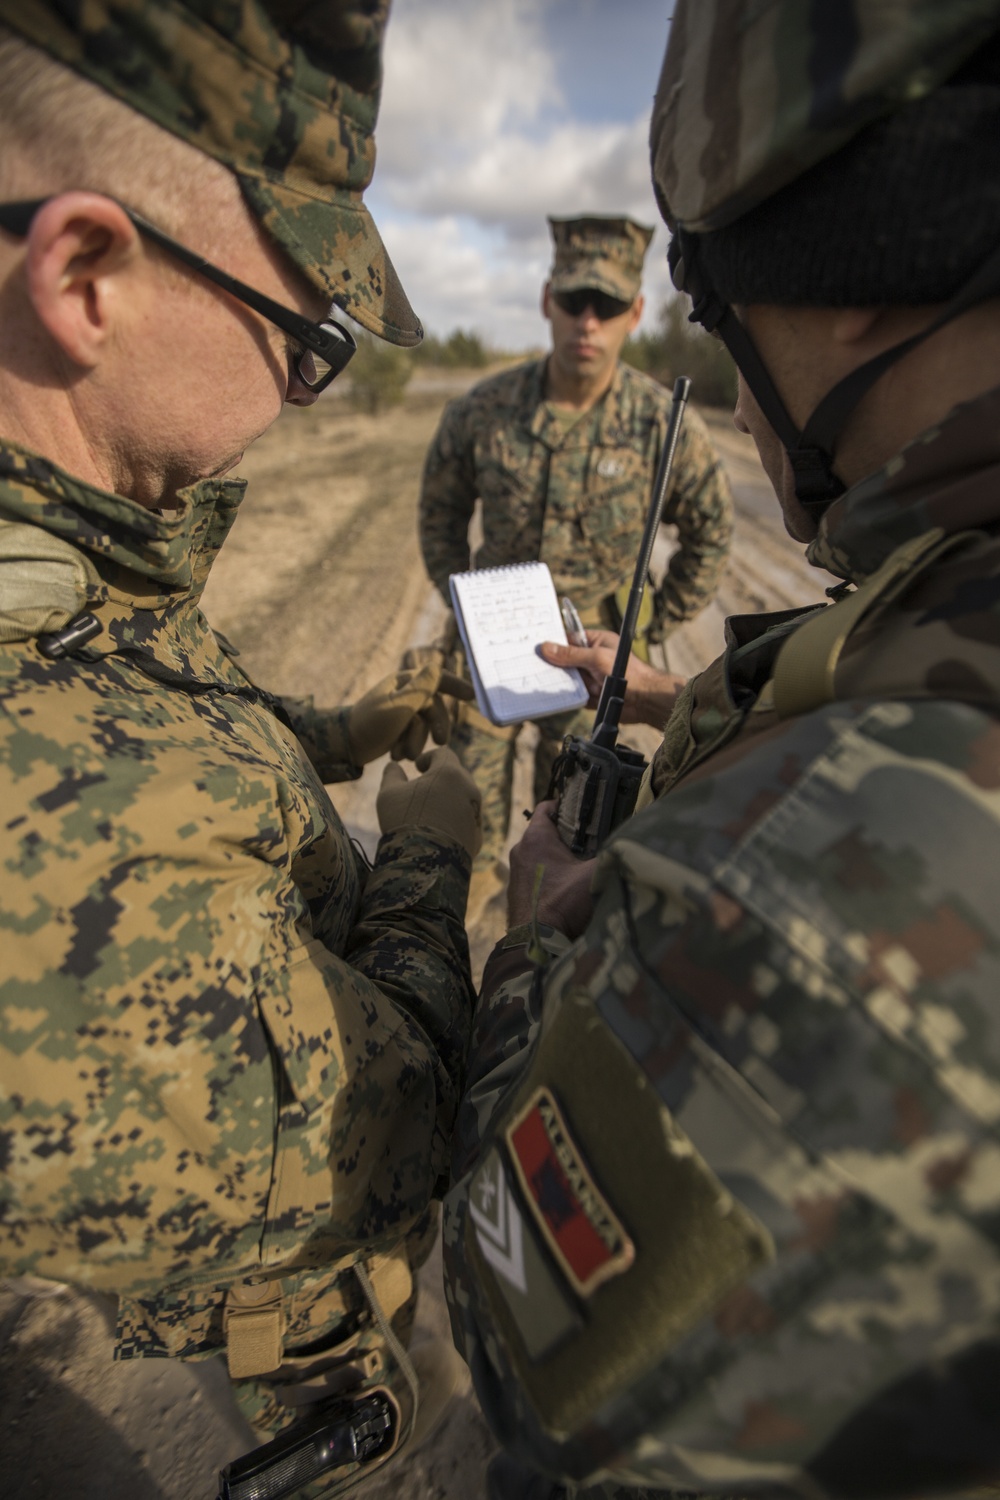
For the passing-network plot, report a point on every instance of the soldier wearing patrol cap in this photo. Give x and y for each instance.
(727, 1210)
(562, 452)
(230, 1052)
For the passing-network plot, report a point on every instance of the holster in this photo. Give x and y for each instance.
(255, 1319)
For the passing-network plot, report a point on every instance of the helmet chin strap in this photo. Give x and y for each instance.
(811, 449)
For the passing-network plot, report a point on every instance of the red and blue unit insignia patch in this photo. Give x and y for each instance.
(580, 1228)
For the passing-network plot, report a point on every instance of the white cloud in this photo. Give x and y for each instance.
(481, 282)
(456, 78)
(514, 181)
(475, 147)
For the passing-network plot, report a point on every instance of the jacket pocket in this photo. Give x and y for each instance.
(301, 1021)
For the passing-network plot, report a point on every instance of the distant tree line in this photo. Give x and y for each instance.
(462, 350)
(677, 347)
(379, 373)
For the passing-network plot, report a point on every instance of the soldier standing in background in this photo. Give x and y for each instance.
(562, 452)
(230, 1051)
(727, 1213)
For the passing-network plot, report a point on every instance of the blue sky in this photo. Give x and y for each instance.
(495, 114)
(607, 53)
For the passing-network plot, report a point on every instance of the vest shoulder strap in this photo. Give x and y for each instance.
(806, 667)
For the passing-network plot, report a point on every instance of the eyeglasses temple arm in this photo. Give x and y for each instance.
(311, 334)
(17, 217)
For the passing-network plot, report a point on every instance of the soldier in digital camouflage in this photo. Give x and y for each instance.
(562, 452)
(726, 1213)
(230, 1051)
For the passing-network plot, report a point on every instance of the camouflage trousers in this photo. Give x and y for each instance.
(487, 753)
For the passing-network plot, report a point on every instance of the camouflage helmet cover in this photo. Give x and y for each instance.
(283, 92)
(599, 251)
(752, 95)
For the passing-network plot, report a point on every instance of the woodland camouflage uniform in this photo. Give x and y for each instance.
(727, 1206)
(182, 907)
(230, 1050)
(574, 496)
(575, 499)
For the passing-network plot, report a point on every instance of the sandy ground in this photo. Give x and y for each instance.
(321, 587)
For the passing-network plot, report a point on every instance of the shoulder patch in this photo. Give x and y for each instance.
(543, 1309)
(580, 1228)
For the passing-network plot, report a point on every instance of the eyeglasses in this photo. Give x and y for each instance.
(603, 307)
(326, 348)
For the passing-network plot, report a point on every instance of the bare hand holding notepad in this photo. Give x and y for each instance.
(503, 616)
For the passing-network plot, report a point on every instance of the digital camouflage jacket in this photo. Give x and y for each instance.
(576, 499)
(727, 1204)
(225, 1046)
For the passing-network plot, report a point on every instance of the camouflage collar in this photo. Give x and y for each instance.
(602, 423)
(172, 552)
(949, 476)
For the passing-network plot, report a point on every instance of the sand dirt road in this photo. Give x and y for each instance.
(321, 588)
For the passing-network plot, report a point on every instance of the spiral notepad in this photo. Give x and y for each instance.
(503, 615)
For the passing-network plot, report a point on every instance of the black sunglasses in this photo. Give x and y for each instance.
(326, 347)
(603, 306)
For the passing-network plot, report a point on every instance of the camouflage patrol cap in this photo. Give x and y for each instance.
(752, 95)
(600, 252)
(282, 92)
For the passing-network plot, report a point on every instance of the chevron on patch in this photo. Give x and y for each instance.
(580, 1228)
(498, 1224)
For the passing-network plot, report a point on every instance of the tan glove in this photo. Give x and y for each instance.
(401, 710)
(444, 799)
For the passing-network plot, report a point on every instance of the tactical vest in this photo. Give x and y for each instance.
(780, 665)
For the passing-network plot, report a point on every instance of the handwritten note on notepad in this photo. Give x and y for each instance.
(503, 615)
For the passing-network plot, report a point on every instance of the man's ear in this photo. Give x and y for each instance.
(79, 247)
(635, 313)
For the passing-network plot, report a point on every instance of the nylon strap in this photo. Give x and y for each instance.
(253, 1323)
(393, 1343)
(806, 668)
(823, 427)
(811, 450)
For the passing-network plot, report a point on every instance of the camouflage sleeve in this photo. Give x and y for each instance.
(448, 496)
(721, 1169)
(506, 1020)
(410, 942)
(700, 505)
(322, 733)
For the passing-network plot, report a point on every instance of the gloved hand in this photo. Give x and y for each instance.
(422, 656)
(401, 710)
(444, 799)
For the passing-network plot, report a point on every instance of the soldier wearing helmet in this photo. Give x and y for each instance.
(230, 1052)
(727, 1180)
